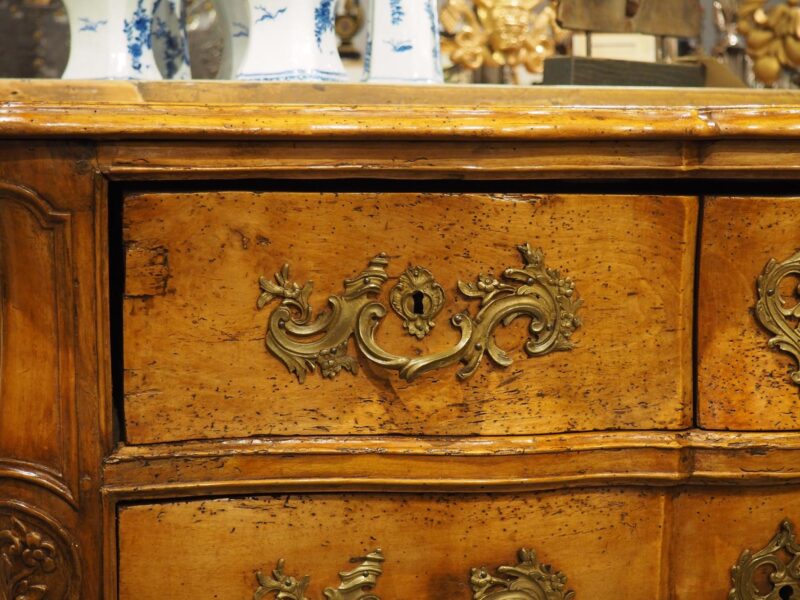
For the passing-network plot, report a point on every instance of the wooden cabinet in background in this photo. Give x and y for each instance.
(511, 319)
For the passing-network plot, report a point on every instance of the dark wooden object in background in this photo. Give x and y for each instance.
(569, 70)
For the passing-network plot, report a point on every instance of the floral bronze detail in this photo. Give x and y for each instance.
(355, 585)
(533, 291)
(528, 580)
(781, 557)
(774, 312)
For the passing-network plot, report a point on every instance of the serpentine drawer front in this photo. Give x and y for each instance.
(605, 543)
(749, 295)
(602, 286)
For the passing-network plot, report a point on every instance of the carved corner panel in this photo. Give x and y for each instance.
(772, 573)
(38, 558)
(38, 422)
(533, 291)
(778, 313)
(527, 580)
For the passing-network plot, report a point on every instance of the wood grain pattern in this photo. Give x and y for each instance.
(54, 404)
(204, 372)
(742, 383)
(712, 528)
(38, 437)
(208, 549)
(175, 110)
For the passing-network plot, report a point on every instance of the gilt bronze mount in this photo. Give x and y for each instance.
(527, 580)
(775, 313)
(355, 585)
(781, 558)
(303, 343)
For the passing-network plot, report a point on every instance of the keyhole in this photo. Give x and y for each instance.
(418, 297)
(786, 592)
(631, 8)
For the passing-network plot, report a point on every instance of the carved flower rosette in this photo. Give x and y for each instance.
(304, 343)
(36, 558)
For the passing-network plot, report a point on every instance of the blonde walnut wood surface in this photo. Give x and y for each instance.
(193, 262)
(148, 432)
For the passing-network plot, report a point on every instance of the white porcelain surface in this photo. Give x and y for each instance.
(403, 42)
(114, 39)
(235, 16)
(292, 40)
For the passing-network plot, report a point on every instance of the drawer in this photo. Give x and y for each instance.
(195, 356)
(606, 542)
(714, 526)
(743, 383)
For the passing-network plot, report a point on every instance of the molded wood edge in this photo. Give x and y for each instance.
(475, 464)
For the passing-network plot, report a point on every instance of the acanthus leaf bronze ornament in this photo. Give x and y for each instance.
(417, 298)
(356, 584)
(533, 291)
(501, 33)
(773, 311)
(773, 37)
(781, 557)
(528, 580)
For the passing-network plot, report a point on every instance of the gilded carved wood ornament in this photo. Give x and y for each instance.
(773, 37)
(500, 33)
(303, 343)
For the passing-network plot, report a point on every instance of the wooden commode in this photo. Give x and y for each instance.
(351, 342)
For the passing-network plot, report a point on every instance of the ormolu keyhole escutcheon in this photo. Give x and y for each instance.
(417, 298)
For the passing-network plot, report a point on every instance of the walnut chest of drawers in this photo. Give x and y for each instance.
(350, 342)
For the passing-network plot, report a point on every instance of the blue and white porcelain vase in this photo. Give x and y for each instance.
(403, 42)
(235, 16)
(292, 40)
(115, 39)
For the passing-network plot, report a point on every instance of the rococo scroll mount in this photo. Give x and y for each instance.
(777, 314)
(528, 580)
(303, 343)
(780, 558)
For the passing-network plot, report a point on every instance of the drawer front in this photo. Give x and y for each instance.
(712, 529)
(196, 365)
(743, 383)
(606, 542)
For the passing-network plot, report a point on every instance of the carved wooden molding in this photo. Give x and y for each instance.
(533, 291)
(38, 558)
(60, 478)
